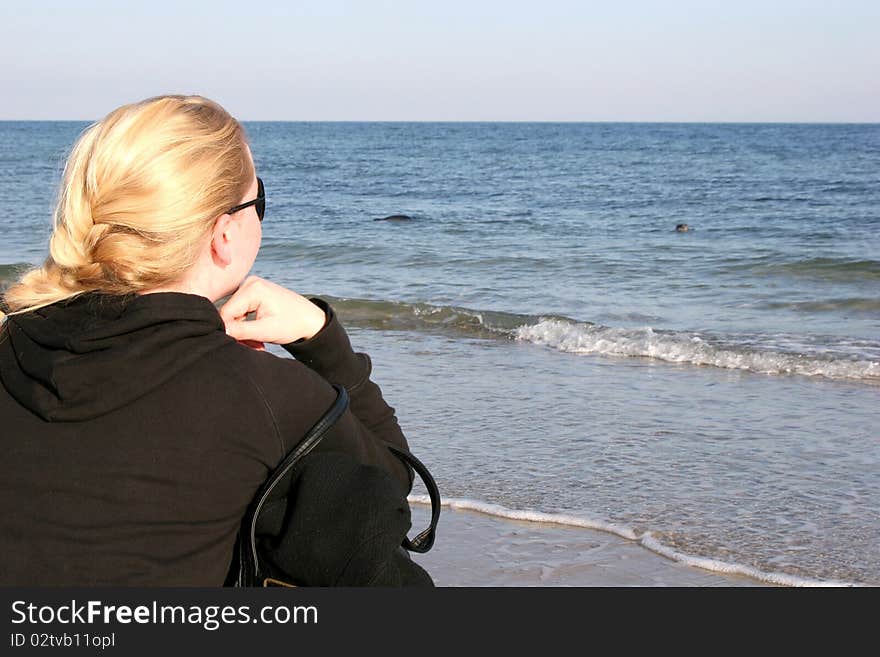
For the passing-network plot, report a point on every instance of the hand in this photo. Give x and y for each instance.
(282, 315)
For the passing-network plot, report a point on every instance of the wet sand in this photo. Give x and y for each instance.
(476, 549)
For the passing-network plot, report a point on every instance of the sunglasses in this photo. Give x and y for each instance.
(259, 202)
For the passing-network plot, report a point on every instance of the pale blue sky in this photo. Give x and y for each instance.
(543, 60)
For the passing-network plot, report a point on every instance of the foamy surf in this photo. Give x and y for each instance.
(830, 358)
(531, 516)
(691, 348)
(646, 540)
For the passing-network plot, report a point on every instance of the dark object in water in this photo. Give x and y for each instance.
(682, 228)
(395, 217)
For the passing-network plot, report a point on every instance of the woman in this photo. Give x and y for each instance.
(139, 421)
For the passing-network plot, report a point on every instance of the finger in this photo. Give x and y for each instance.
(244, 301)
(245, 330)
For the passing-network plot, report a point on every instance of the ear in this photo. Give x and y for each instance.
(221, 239)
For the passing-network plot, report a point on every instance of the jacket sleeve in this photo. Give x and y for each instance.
(329, 353)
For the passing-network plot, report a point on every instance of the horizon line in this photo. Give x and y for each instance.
(554, 121)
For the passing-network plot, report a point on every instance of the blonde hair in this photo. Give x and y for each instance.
(140, 193)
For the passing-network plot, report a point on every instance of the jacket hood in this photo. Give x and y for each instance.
(84, 357)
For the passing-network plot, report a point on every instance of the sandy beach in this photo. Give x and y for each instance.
(476, 549)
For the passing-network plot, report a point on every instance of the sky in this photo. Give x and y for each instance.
(448, 60)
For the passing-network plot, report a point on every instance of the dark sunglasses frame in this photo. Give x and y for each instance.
(259, 202)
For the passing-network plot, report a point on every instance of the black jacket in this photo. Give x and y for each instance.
(134, 433)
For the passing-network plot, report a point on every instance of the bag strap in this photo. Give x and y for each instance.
(306, 445)
(425, 539)
(248, 557)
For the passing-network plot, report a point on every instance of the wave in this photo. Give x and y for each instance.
(833, 268)
(646, 539)
(855, 304)
(842, 270)
(692, 348)
(10, 272)
(774, 355)
(843, 186)
(402, 315)
(781, 199)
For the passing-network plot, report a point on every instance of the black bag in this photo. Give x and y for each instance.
(249, 569)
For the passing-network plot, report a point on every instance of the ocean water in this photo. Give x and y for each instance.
(554, 347)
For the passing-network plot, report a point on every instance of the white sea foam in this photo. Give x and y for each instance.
(530, 516)
(777, 354)
(581, 338)
(646, 540)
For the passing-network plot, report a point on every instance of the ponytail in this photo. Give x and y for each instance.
(139, 195)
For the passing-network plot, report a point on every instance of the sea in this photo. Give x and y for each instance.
(555, 349)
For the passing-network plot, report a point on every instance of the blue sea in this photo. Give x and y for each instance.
(552, 344)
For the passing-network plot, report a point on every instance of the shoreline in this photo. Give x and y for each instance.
(476, 549)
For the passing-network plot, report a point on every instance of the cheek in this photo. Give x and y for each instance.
(258, 239)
